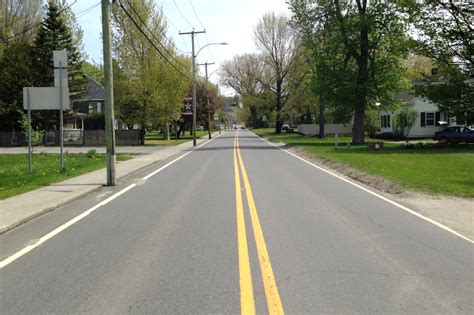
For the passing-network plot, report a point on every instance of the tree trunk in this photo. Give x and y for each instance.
(253, 113)
(168, 131)
(361, 89)
(322, 109)
(279, 122)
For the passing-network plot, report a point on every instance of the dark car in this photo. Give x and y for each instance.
(455, 134)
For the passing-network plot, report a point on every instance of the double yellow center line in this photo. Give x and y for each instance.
(247, 301)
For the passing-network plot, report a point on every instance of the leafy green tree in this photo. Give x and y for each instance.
(372, 35)
(55, 34)
(279, 45)
(19, 21)
(453, 92)
(445, 30)
(404, 120)
(244, 74)
(18, 25)
(154, 90)
(93, 71)
(15, 73)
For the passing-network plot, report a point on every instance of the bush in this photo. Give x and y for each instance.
(91, 154)
(94, 121)
(404, 121)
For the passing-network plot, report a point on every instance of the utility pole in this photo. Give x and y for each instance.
(207, 92)
(109, 96)
(219, 110)
(192, 33)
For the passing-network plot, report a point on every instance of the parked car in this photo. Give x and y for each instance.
(455, 134)
(287, 128)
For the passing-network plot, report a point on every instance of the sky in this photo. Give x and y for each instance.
(230, 21)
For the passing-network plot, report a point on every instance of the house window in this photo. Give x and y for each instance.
(385, 121)
(430, 119)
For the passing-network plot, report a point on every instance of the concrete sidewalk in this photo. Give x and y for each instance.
(20, 209)
(75, 150)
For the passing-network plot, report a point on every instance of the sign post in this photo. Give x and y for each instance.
(61, 116)
(30, 150)
(49, 98)
(60, 61)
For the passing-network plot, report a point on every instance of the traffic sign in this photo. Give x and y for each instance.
(40, 98)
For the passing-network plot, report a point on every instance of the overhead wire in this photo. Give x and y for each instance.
(150, 41)
(153, 34)
(182, 15)
(86, 11)
(37, 24)
(205, 34)
(154, 21)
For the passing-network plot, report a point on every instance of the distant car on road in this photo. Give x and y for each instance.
(455, 134)
(287, 128)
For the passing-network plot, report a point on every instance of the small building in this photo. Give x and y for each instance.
(93, 99)
(428, 116)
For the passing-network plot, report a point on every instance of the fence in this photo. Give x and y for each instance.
(12, 139)
(122, 137)
(72, 137)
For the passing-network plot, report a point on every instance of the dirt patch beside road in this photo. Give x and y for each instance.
(456, 213)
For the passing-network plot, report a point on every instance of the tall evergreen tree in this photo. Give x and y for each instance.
(56, 34)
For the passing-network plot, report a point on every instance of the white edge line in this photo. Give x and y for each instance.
(81, 216)
(440, 225)
(178, 158)
(61, 228)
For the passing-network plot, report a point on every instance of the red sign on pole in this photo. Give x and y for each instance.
(188, 106)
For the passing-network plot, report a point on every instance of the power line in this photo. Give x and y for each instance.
(154, 21)
(182, 15)
(177, 29)
(150, 41)
(87, 11)
(38, 24)
(199, 20)
(152, 34)
(195, 14)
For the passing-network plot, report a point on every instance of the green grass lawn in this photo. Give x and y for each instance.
(445, 170)
(15, 179)
(155, 138)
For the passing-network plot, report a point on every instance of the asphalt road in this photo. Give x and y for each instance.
(235, 225)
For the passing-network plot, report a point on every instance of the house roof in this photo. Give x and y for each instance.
(94, 91)
(405, 96)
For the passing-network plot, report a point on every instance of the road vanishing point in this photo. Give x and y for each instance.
(236, 225)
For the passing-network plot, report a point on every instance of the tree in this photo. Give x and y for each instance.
(56, 33)
(404, 121)
(445, 30)
(15, 73)
(18, 25)
(445, 34)
(244, 74)
(279, 46)
(452, 92)
(93, 71)
(155, 90)
(19, 20)
(373, 39)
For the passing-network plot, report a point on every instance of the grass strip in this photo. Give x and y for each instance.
(447, 170)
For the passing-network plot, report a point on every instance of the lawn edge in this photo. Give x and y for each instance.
(399, 189)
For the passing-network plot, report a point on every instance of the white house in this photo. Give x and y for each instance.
(427, 121)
